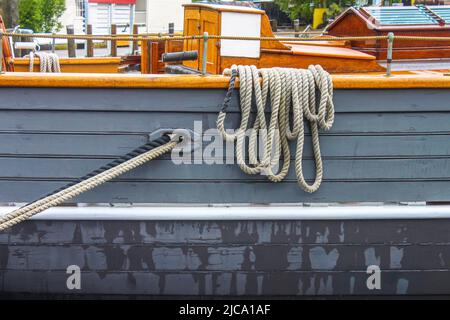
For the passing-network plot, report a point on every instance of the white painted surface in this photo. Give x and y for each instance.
(271, 212)
(102, 15)
(242, 24)
(162, 12)
(69, 17)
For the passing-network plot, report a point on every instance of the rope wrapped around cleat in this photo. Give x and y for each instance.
(290, 93)
(132, 160)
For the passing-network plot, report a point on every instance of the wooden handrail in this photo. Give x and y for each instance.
(342, 81)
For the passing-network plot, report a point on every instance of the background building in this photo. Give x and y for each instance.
(151, 15)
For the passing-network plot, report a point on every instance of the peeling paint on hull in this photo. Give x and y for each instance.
(222, 258)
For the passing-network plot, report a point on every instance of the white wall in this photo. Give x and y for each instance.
(69, 18)
(161, 12)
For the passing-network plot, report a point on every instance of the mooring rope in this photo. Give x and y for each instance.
(49, 62)
(116, 168)
(291, 92)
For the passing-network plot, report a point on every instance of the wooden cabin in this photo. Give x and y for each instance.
(335, 57)
(249, 22)
(427, 21)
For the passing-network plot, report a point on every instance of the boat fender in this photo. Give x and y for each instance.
(179, 56)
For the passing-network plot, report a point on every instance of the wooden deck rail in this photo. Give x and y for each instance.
(343, 81)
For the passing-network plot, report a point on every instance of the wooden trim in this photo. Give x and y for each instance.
(154, 57)
(374, 25)
(223, 8)
(74, 61)
(343, 81)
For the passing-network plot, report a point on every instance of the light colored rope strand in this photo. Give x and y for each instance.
(49, 62)
(290, 91)
(31, 209)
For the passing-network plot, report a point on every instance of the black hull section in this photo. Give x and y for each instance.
(227, 258)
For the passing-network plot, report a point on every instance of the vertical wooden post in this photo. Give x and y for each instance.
(154, 57)
(113, 42)
(135, 42)
(89, 42)
(71, 43)
(145, 56)
(297, 27)
(1, 53)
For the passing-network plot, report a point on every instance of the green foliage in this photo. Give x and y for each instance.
(333, 10)
(52, 10)
(41, 15)
(30, 15)
(304, 9)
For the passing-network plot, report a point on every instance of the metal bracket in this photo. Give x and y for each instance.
(390, 48)
(205, 52)
(189, 140)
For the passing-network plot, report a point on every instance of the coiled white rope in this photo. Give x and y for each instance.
(292, 92)
(49, 62)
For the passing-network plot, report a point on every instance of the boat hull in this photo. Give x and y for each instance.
(227, 258)
(387, 145)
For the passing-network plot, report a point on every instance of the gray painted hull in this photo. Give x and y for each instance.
(386, 145)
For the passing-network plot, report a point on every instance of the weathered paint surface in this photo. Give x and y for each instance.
(386, 145)
(227, 257)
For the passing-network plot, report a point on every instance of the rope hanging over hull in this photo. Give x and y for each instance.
(290, 92)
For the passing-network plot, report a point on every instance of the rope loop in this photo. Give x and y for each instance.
(293, 96)
(49, 62)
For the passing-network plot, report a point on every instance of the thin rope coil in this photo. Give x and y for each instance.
(57, 198)
(49, 62)
(290, 92)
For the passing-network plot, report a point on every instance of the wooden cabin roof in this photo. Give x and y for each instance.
(224, 8)
(398, 18)
(327, 51)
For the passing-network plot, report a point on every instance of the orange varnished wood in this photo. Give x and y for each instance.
(222, 8)
(154, 57)
(227, 62)
(344, 81)
(336, 52)
(75, 65)
(329, 43)
(192, 27)
(272, 58)
(210, 23)
(331, 64)
(145, 56)
(266, 31)
(7, 61)
(333, 55)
